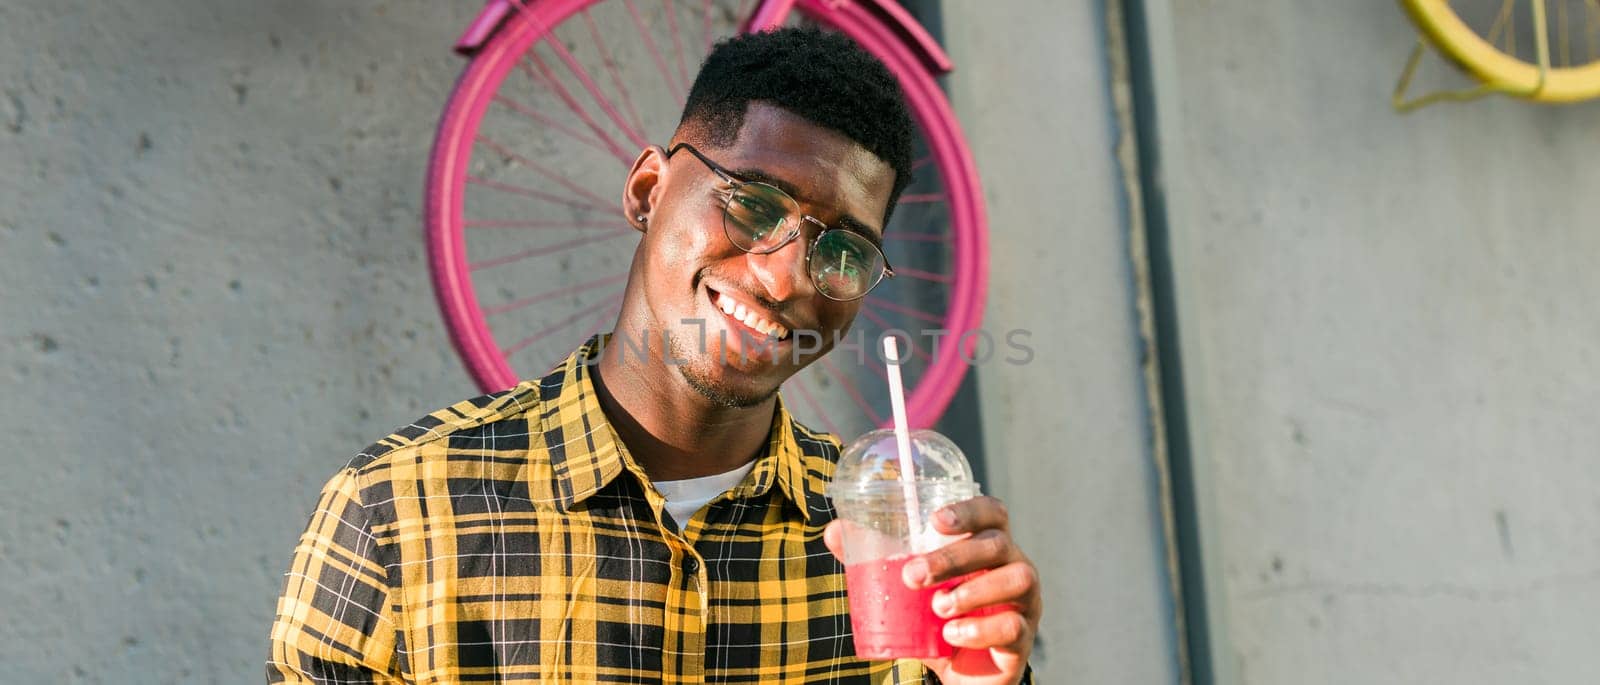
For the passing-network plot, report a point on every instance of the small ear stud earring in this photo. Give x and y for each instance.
(642, 219)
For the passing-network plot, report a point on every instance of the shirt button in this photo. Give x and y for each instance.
(692, 565)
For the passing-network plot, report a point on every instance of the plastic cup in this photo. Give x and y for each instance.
(890, 620)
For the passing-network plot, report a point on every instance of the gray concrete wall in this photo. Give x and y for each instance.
(1065, 435)
(214, 293)
(1392, 345)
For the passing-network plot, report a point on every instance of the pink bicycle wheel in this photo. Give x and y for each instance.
(526, 241)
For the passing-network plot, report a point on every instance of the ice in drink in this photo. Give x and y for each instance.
(890, 620)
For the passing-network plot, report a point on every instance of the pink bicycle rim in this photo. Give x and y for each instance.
(458, 129)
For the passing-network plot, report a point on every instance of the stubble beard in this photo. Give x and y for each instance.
(698, 377)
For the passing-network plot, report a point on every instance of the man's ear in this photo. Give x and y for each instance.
(643, 186)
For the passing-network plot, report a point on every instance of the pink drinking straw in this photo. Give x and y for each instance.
(902, 437)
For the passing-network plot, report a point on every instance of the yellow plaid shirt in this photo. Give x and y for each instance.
(512, 538)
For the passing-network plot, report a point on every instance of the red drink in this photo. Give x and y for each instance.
(892, 621)
(883, 515)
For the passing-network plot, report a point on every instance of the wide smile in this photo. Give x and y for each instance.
(748, 318)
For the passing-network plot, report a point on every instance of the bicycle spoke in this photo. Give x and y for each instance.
(552, 328)
(541, 251)
(650, 44)
(519, 304)
(562, 92)
(573, 133)
(923, 275)
(925, 161)
(885, 325)
(1562, 46)
(850, 389)
(705, 26)
(535, 193)
(1591, 27)
(816, 409)
(677, 41)
(539, 81)
(599, 98)
(543, 171)
(540, 225)
(1511, 31)
(917, 237)
(589, 331)
(881, 303)
(611, 66)
(1500, 19)
(606, 315)
(879, 368)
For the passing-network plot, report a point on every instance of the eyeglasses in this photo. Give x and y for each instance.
(844, 265)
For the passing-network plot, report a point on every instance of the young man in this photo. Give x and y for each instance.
(644, 518)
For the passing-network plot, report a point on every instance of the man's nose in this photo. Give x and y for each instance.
(783, 273)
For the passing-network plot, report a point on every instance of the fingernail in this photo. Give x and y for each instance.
(944, 604)
(947, 517)
(915, 573)
(958, 631)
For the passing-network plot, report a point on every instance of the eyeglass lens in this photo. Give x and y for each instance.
(844, 265)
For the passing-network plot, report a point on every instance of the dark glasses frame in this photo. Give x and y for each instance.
(731, 179)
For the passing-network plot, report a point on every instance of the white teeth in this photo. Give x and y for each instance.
(774, 330)
(749, 317)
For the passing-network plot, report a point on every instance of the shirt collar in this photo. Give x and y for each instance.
(585, 454)
(799, 475)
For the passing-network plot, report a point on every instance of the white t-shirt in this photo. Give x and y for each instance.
(685, 497)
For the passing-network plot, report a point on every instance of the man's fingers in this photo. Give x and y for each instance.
(971, 516)
(1016, 584)
(833, 538)
(1006, 630)
(986, 550)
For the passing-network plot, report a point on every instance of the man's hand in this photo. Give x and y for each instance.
(992, 647)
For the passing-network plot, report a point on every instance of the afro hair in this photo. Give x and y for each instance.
(822, 77)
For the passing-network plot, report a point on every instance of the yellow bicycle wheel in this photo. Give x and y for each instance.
(1492, 54)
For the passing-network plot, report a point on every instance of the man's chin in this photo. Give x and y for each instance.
(720, 390)
(726, 377)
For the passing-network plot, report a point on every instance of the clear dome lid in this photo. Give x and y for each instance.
(874, 459)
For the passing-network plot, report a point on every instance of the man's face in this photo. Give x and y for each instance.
(691, 272)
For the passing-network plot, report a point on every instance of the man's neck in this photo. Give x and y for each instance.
(672, 430)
